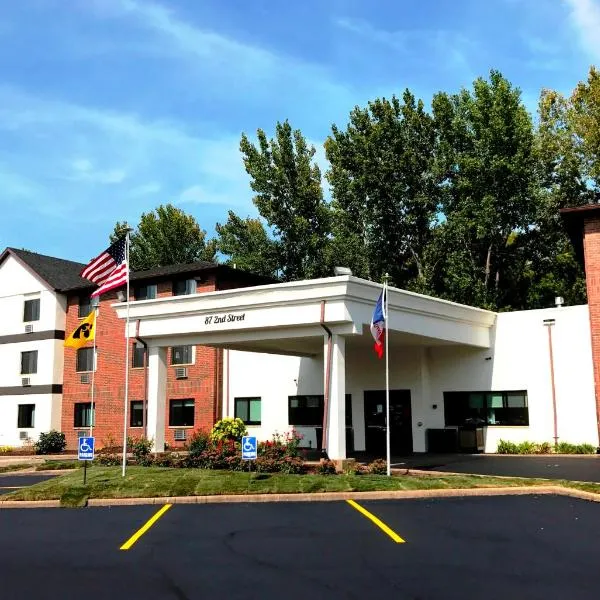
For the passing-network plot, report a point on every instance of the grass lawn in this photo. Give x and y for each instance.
(107, 482)
(15, 467)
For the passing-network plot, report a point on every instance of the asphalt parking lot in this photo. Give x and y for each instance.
(11, 482)
(496, 547)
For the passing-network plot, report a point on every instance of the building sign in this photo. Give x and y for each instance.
(224, 318)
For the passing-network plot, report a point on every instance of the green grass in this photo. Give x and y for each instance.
(107, 482)
(15, 467)
(58, 465)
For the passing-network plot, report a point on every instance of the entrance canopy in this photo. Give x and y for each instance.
(288, 318)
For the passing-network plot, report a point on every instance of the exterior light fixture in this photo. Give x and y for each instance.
(342, 271)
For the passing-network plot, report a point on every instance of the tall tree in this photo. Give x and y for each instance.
(247, 245)
(385, 194)
(166, 236)
(289, 196)
(487, 163)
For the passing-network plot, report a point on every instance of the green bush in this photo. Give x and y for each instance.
(141, 449)
(566, 448)
(528, 448)
(377, 467)
(505, 447)
(228, 429)
(53, 442)
(586, 449)
(108, 459)
(166, 459)
(326, 467)
(198, 443)
(544, 448)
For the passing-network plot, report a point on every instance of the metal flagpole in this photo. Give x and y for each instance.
(94, 364)
(125, 411)
(387, 376)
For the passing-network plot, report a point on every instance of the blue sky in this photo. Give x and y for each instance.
(109, 108)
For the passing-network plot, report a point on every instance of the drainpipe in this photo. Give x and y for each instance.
(145, 400)
(327, 381)
(549, 323)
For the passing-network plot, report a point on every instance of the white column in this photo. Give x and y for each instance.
(336, 422)
(157, 395)
(421, 403)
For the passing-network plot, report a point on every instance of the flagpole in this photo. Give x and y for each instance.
(387, 378)
(94, 365)
(126, 401)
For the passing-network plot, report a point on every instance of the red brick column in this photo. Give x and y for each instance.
(591, 248)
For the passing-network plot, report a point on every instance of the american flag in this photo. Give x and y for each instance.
(109, 269)
(378, 323)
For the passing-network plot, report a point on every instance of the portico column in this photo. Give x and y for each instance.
(157, 394)
(336, 421)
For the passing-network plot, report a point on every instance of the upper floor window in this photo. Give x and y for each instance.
(138, 357)
(29, 362)
(486, 408)
(145, 292)
(31, 310)
(182, 355)
(85, 360)
(85, 306)
(184, 287)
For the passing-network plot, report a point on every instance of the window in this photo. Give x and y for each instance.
(83, 414)
(29, 362)
(85, 306)
(181, 413)
(31, 310)
(138, 357)
(486, 408)
(184, 287)
(85, 360)
(145, 292)
(26, 418)
(181, 355)
(136, 416)
(248, 410)
(305, 410)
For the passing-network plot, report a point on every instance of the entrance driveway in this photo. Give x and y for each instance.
(575, 468)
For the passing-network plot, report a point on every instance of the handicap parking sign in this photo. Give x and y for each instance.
(249, 447)
(86, 448)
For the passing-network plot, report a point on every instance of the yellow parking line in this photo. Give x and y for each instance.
(142, 530)
(377, 521)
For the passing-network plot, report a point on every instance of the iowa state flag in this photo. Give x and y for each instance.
(378, 323)
(85, 332)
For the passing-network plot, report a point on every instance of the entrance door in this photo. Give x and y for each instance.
(400, 418)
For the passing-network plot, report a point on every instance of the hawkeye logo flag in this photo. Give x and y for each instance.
(86, 332)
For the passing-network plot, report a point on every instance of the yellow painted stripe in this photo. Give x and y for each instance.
(378, 522)
(142, 530)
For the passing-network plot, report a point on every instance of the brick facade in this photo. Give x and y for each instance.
(204, 382)
(591, 250)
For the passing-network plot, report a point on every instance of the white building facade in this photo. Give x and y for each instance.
(299, 355)
(32, 329)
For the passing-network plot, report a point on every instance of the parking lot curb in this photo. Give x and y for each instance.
(29, 504)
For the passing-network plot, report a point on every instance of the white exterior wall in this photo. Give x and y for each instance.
(17, 284)
(517, 360)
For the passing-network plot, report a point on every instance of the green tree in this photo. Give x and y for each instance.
(385, 196)
(488, 168)
(247, 245)
(289, 196)
(166, 236)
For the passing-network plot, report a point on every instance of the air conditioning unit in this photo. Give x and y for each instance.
(84, 378)
(180, 435)
(23, 435)
(181, 373)
(26, 381)
(29, 328)
(82, 433)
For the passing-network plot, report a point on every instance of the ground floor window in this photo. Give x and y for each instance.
(248, 410)
(136, 414)
(486, 408)
(26, 418)
(181, 413)
(305, 410)
(83, 416)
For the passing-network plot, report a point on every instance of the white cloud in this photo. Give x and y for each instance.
(585, 17)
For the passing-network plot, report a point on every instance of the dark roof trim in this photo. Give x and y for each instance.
(574, 220)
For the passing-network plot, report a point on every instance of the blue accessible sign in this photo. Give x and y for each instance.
(86, 448)
(249, 447)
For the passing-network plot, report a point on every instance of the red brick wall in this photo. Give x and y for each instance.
(591, 247)
(203, 383)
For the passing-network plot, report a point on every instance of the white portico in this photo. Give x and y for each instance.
(324, 320)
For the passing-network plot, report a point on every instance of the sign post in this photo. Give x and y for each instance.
(85, 452)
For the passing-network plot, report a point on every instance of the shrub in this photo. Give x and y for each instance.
(5, 449)
(228, 429)
(505, 447)
(165, 459)
(216, 454)
(586, 449)
(291, 465)
(377, 467)
(108, 459)
(544, 448)
(53, 442)
(527, 448)
(326, 467)
(566, 448)
(198, 443)
(141, 449)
